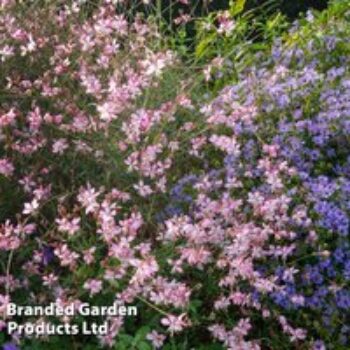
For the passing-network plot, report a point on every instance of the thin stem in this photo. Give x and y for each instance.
(152, 306)
(8, 269)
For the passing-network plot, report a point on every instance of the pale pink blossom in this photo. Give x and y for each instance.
(31, 207)
(174, 323)
(6, 167)
(94, 286)
(156, 339)
(88, 199)
(66, 256)
(59, 146)
(70, 226)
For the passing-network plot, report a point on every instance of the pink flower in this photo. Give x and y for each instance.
(175, 324)
(93, 285)
(5, 52)
(87, 197)
(115, 324)
(6, 167)
(8, 118)
(196, 256)
(242, 327)
(156, 338)
(59, 146)
(30, 208)
(155, 65)
(4, 301)
(271, 150)
(218, 331)
(91, 84)
(31, 46)
(143, 190)
(108, 111)
(131, 225)
(297, 334)
(9, 236)
(35, 119)
(145, 269)
(71, 226)
(170, 293)
(88, 255)
(226, 25)
(49, 280)
(66, 256)
(225, 143)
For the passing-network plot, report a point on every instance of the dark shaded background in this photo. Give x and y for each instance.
(262, 9)
(290, 8)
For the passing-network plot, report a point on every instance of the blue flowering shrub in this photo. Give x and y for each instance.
(301, 92)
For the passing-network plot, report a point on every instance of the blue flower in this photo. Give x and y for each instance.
(346, 271)
(342, 299)
(10, 346)
(47, 255)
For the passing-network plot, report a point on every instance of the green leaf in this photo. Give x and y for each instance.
(211, 347)
(204, 44)
(144, 346)
(237, 7)
(121, 346)
(141, 333)
(126, 339)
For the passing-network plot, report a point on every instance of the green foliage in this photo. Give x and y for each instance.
(236, 7)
